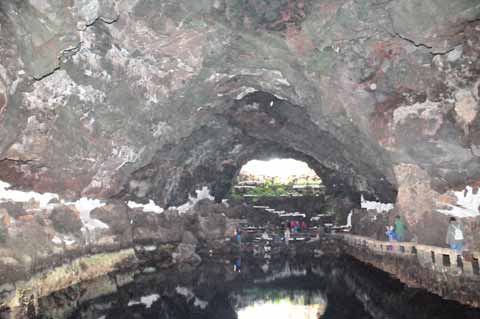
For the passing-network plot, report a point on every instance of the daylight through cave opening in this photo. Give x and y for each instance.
(290, 188)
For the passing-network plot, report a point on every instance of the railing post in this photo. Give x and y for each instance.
(453, 259)
(438, 258)
(468, 267)
(423, 257)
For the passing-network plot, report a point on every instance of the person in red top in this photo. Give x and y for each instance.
(304, 226)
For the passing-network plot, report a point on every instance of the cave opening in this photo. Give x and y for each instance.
(281, 170)
(286, 187)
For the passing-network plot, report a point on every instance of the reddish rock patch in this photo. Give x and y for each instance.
(26, 218)
(24, 176)
(5, 218)
(9, 173)
(299, 41)
(294, 12)
(382, 117)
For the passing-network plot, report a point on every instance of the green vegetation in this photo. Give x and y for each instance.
(234, 194)
(249, 185)
(273, 188)
(304, 181)
(270, 189)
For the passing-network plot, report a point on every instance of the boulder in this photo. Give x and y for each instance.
(162, 257)
(14, 209)
(211, 222)
(28, 247)
(185, 253)
(116, 216)
(7, 292)
(66, 220)
(166, 227)
(189, 238)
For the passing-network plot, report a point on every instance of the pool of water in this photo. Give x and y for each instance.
(289, 287)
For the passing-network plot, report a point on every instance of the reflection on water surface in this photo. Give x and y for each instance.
(282, 304)
(333, 287)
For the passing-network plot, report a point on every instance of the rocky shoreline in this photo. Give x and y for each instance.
(53, 249)
(204, 292)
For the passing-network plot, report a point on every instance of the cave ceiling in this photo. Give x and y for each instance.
(154, 99)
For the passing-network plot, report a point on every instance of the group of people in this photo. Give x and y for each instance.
(396, 232)
(292, 227)
(454, 238)
(296, 226)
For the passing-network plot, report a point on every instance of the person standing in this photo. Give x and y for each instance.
(237, 266)
(287, 235)
(238, 235)
(455, 236)
(304, 226)
(391, 234)
(399, 228)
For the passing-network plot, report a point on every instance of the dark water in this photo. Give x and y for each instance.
(288, 287)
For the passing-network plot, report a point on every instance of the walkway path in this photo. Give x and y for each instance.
(439, 270)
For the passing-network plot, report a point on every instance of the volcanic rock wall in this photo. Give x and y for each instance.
(152, 100)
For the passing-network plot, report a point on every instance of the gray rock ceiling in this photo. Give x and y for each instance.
(154, 99)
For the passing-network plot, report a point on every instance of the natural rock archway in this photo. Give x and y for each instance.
(261, 125)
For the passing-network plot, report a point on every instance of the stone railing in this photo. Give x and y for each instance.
(439, 259)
